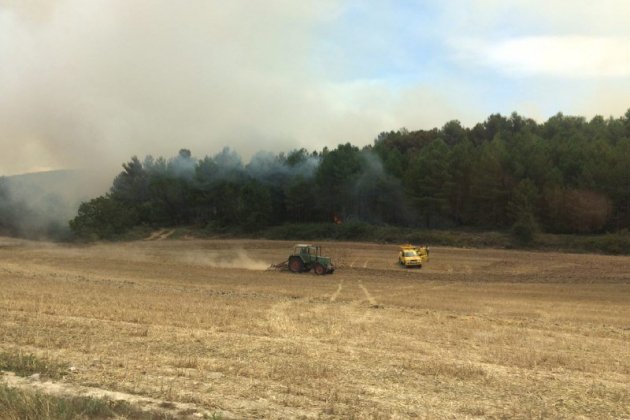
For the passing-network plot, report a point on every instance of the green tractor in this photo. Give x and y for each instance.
(306, 258)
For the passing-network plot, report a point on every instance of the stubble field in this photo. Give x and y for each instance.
(475, 333)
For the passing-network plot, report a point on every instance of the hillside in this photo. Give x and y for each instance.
(40, 204)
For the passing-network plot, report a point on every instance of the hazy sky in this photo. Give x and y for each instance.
(93, 82)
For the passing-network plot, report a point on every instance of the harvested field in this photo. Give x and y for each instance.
(475, 333)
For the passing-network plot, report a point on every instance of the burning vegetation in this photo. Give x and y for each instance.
(564, 176)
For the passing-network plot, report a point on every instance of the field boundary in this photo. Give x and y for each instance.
(146, 404)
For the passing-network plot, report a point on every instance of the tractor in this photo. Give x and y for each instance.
(306, 258)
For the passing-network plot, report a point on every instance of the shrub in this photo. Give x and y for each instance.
(525, 228)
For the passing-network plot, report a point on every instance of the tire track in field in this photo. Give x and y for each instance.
(334, 295)
(160, 235)
(368, 296)
(364, 265)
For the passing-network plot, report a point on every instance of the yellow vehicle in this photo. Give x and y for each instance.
(413, 256)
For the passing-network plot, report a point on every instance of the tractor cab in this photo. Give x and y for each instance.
(307, 250)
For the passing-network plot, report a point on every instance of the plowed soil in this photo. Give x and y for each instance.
(474, 333)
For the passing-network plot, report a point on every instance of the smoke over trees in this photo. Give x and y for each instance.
(567, 175)
(7, 216)
(39, 205)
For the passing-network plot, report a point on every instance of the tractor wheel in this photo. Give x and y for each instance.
(319, 269)
(296, 265)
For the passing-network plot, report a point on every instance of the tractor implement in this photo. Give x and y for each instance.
(281, 266)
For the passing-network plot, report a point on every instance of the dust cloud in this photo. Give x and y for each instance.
(237, 258)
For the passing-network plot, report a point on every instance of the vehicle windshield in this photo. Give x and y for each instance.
(410, 254)
(311, 250)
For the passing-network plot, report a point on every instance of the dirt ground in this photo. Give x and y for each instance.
(475, 333)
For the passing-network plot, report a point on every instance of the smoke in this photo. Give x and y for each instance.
(378, 196)
(228, 163)
(92, 83)
(265, 166)
(39, 205)
(112, 79)
(183, 165)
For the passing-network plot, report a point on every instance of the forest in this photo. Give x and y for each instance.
(566, 175)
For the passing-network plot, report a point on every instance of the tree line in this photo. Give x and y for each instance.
(566, 175)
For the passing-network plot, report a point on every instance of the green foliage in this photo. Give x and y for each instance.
(307, 231)
(524, 228)
(458, 186)
(352, 231)
(490, 184)
(335, 178)
(613, 243)
(506, 173)
(453, 133)
(577, 210)
(103, 218)
(376, 197)
(132, 185)
(300, 199)
(7, 209)
(255, 206)
(524, 200)
(427, 180)
(297, 157)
